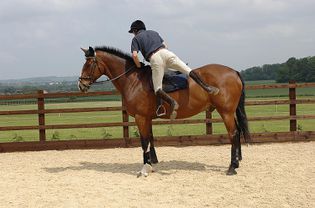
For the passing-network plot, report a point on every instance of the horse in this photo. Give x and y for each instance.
(140, 100)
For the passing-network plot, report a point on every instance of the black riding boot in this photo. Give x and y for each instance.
(197, 78)
(170, 101)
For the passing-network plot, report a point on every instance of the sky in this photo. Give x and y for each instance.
(43, 37)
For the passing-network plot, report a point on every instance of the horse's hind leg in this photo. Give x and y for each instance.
(233, 134)
(234, 156)
(239, 148)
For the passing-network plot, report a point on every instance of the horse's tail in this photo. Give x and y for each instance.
(241, 114)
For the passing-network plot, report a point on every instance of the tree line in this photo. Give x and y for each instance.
(69, 86)
(300, 70)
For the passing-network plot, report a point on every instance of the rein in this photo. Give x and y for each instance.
(115, 78)
(107, 80)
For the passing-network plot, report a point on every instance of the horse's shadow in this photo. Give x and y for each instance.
(163, 168)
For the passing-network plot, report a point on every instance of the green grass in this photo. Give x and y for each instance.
(260, 82)
(159, 130)
(275, 93)
(116, 132)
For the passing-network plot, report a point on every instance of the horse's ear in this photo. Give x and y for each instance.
(88, 52)
(91, 52)
(84, 50)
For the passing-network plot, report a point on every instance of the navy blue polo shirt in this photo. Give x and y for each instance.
(146, 41)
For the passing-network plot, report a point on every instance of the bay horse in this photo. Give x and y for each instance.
(140, 99)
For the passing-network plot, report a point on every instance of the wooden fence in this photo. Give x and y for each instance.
(127, 141)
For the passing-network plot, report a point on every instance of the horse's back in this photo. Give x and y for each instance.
(220, 76)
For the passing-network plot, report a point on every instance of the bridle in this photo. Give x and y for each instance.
(93, 68)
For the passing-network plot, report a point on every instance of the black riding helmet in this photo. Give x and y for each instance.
(137, 25)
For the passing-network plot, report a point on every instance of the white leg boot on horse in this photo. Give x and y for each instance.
(146, 137)
(145, 171)
(147, 167)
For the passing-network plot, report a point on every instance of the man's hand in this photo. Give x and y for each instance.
(165, 45)
(136, 59)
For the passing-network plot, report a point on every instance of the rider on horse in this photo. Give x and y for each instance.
(155, 51)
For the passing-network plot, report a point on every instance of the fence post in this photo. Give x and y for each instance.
(208, 124)
(41, 115)
(125, 118)
(292, 97)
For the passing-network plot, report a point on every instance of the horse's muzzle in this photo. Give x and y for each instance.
(83, 87)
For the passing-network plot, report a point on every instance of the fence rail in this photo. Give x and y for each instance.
(126, 141)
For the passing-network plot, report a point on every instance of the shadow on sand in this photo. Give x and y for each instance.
(163, 168)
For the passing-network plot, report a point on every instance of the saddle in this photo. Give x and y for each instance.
(172, 81)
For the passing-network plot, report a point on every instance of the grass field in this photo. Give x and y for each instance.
(161, 130)
(116, 132)
(276, 93)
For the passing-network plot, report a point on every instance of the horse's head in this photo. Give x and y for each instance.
(90, 71)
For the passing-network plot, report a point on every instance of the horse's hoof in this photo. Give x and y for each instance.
(231, 171)
(154, 161)
(153, 156)
(237, 165)
(145, 171)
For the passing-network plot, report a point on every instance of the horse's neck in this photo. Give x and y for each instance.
(116, 68)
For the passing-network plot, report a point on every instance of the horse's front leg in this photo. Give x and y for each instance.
(149, 156)
(153, 156)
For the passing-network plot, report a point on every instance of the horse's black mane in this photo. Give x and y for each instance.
(115, 51)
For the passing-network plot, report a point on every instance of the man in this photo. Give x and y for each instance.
(154, 50)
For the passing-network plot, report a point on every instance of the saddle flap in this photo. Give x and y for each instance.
(173, 81)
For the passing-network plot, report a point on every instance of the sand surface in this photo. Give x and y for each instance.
(270, 175)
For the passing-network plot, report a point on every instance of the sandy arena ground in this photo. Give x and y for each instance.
(271, 175)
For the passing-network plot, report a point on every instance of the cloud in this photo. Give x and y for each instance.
(45, 35)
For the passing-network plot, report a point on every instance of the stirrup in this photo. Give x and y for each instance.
(163, 113)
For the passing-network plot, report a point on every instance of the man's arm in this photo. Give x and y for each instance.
(136, 58)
